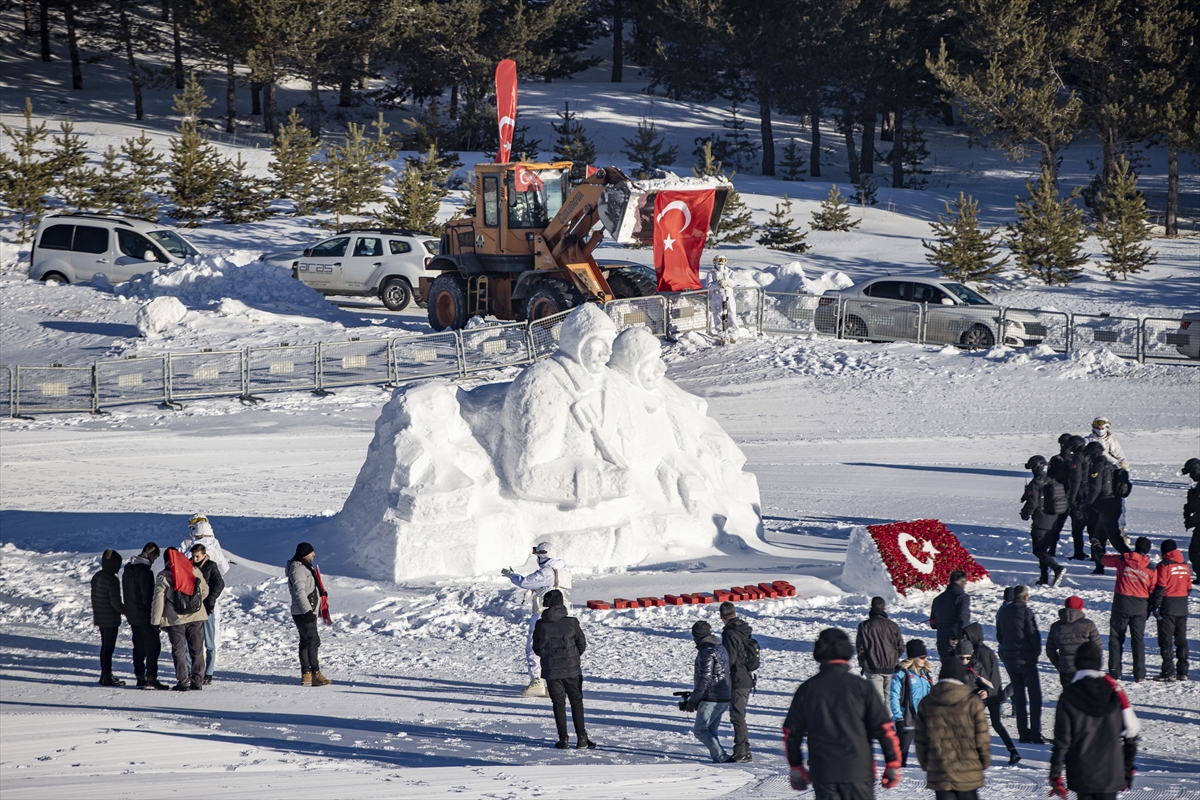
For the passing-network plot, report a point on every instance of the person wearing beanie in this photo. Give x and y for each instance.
(107, 611)
(551, 574)
(559, 643)
(306, 605)
(840, 715)
(1020, 645)
(953, 744)
(1067, 635)
(950, 613)
(739, 643)
(983, 675)
(911, 682)
(1130, 607)
(710, 690)
(1095, 734)
(137, 592)
(879, 645)
(1169, 605)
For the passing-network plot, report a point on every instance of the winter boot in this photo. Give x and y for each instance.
(109, 680)
(155, 683)
(562, 744)
(306, 679)
(1059, 571)
(1014, 758)
(182, 687)
(320, 680)
(536, 688)
(584, 743)
(208, 680)
(742, 756)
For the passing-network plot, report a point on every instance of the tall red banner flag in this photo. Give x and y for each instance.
(506, 107)
(680, 229)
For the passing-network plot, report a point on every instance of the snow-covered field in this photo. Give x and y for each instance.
(425, 700)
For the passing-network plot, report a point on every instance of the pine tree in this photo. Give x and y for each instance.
(240, 197)
(864, 193)
(1047, 238)
(780, 232)
(915, 152)
(1123, 211)
(736, 224)
(195, 170)
(792, 162)
(108, 193)
(293, 165)
(741, 148)
(962, 251)
(420, 190)
(573, 143)
(27, 179)
(648, 151)
(524, 148)
(834, 214)
(76, 180)
(144, 181)
(354, 171)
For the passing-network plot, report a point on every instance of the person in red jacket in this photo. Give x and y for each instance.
(1130, 606)
(1169, 605)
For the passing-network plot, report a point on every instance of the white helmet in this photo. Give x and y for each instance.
(199, 526)
(720, 260)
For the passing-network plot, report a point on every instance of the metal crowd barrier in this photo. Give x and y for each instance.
(392, 361)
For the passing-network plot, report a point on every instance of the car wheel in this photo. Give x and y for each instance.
(626, 283)
(550, 298)
(978, 336)
(58, 277)
(396, 294)
(448, 302)
(854, 328)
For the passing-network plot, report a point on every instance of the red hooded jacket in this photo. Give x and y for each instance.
(1134, 578)
(1173, 580)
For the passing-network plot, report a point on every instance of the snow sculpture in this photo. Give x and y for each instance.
(592, 450)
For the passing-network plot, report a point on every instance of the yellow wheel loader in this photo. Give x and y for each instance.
(527, 251)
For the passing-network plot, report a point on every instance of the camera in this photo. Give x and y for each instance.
(683, 702)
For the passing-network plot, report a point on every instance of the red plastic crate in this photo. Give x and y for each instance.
(598, 605)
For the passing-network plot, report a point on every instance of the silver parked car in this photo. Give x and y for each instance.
(72, 248)
(1187, 338)
(363, 262)
(897, 307)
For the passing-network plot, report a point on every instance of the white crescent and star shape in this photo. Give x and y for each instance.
(678, 205)
(925, 567)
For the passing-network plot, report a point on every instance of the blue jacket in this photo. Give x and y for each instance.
(920, 683)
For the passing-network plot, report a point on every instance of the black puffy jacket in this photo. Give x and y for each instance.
(1065, 637)
(879, 644)
(1017, 633)
(1034, 500)
(710, 679)
(1089, 738)
(559, 642)
(735, 637)
(985, 664)
(137, 585)
(216, 584)
(106, 592)
(1191, 509)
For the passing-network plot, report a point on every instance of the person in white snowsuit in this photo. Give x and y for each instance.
(1102, 433)
(721, 300)
(200, 532)
(552, 573)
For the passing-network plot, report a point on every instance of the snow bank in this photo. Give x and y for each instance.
(790, 278)
(159, 315)
(864, 571)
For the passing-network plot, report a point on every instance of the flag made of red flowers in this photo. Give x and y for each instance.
(921, 554)
(680, 230)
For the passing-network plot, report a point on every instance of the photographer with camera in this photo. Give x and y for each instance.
(711, 692)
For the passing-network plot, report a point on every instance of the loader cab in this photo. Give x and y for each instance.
(516, 201)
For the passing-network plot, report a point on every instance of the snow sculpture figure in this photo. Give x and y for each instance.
(559, 427)
(552, 573)
(722, 301)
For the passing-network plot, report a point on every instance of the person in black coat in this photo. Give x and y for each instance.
(1038, 501)
(840, 714)
(736, 638)
(1102, 504)
(1020, 645)
(984, 667)
(1076, 467)
(950, 613)
(137, 589)
(1067, 635)
(880, 646)
(1191, 514)
(558, 642)
(711, 691)
(107, 612)
(211, 571)
(1095, 734)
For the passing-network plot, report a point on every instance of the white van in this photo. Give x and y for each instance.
(73, 248)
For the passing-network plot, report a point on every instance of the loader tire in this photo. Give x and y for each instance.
(627, 283)
(551, 297)
(447, 302)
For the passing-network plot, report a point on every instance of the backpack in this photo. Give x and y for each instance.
(186, 604)
(1054, 498)
(750, 659)
(1122, 485)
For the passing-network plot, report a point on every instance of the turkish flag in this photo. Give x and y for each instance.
(526, 180)
(506, 107)
(680, 230)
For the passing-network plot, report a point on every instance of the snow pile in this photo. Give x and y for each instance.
(790, 278)
(864, 571)
(159, 315)
(592, 450)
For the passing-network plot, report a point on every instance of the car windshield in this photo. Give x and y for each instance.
(966, 295)
(174, 244)
(533, 206)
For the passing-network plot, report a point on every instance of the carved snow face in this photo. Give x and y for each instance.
(594, 354)
(638, 356)
(650, 372)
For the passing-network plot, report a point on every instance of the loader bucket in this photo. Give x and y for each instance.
(627, 208)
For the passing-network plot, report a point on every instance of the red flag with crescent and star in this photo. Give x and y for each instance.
(526, 180)
(506, 107)
(680, 230)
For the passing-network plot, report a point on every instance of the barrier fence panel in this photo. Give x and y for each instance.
(45, 389)
(495, 346)
(1031, 327)
(353, 363)
(214, 374)
(828, 315)
(648, 312)
(748, 303)
(1169, 340)
(425, 356)
(544, 334)
(964, 326)
(134, 380)
(6, 390)
(686, 311)
(876, 318)
(285, 368)
(1120, 335)
(789, 314)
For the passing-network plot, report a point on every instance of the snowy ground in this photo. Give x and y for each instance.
(425, 700)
